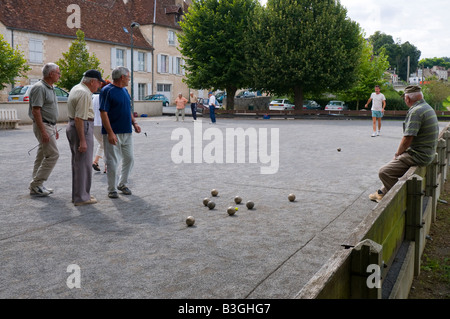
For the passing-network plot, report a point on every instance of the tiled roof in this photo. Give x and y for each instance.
(101, 20)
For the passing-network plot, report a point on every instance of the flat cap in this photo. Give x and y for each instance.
(411, 89)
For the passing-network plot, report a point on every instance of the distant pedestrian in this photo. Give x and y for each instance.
(418, 144)
(212, 107)
(194, 101)
(180, 103)
(80, 134)
(100, 152)
(43, 110)
(378, 106)
(117, 121)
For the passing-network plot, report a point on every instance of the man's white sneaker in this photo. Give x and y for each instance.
(378, 133)
(374, 134)
(39, 191)
(50, 190)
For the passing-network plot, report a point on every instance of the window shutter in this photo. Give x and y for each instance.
(113, 58)
(135, 60)
(170, 64)
(159, 63)
(129, 59)
(149, 89)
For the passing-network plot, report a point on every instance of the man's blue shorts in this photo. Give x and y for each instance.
(377, 114)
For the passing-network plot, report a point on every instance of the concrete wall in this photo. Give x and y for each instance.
(151, 108)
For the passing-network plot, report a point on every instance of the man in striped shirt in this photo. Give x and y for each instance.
(419, 142)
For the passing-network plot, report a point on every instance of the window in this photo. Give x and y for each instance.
(163, 87)
(141, 61)
(163, 64)
(141, 91)
(120, 54)
(36, 53)
(171, 38)
(178, 66)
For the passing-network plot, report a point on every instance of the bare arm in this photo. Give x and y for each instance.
(136, 126)
(404, 144)
(112, 138)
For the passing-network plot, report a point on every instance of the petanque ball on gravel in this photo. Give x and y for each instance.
(231, 210)
(291, 197)
(214, 192)
(211, 205)
(250, 204)
(205, 201)
(190, 221)
(237, 199)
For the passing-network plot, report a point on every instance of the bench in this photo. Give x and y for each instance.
(8, 119)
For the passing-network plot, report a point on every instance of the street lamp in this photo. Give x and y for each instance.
(133, 25)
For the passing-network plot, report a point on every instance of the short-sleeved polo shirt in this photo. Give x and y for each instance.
(421, 122)
(42, 95)
(80, 103)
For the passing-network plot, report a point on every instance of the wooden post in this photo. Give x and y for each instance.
(414, 203)
(366, 264)
(432, 185)
(441, 149)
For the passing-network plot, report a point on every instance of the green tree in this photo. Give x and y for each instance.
(397, 53)
(430, 62)
(213, 42)
(12, 64)
(436, 93)
(303, 46)
(370, 73)
(75, 62)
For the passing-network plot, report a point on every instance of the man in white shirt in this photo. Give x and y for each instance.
(378, 106)
(80, 134)
(212, 107)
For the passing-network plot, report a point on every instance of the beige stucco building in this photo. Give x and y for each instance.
(45, 30)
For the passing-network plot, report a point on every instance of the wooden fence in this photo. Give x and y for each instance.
(382, 256)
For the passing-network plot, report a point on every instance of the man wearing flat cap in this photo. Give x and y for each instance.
(80, 134)
(419, 142)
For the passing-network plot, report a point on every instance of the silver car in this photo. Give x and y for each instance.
(336, 106)
(22, 94)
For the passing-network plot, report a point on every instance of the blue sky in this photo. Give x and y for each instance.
(425, 24)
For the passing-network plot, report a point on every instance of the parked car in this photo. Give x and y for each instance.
(221, 96)
(336, 106)
(158, 97)
(245, 94)
(22, 94)
(203, 104)
(281, 104)
(311, 105)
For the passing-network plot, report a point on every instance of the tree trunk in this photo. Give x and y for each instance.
(298, 97)
(231, 92)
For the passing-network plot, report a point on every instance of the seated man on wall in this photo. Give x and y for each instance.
(419, 142)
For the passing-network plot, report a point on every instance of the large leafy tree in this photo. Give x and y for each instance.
(12, 64)
(397, 53)
(303, 46)
(213, 41)
(75, 62)
(370, 73)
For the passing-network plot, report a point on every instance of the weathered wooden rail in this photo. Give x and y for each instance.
(382, 256)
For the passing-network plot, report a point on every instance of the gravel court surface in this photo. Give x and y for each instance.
(139, 246)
